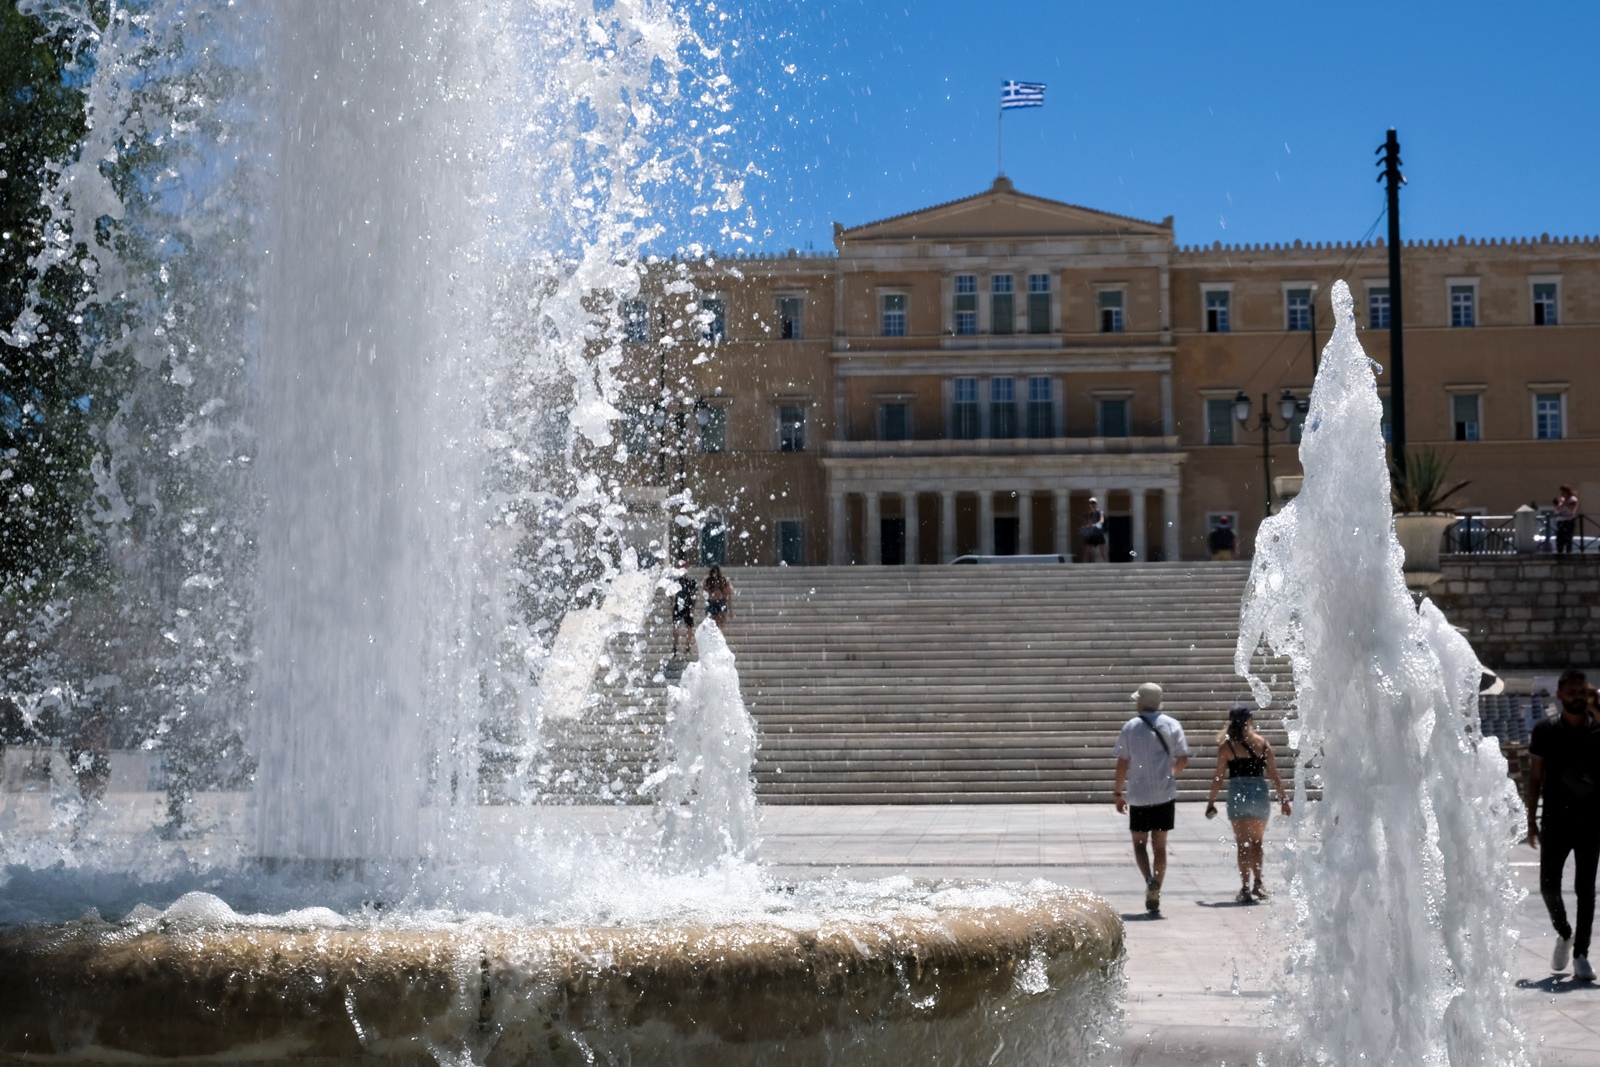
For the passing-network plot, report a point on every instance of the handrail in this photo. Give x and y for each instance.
(1494, 535)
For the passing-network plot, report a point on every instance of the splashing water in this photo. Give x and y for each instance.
(1399, 877)
(353, 270)
(343, 262)
(707, 790)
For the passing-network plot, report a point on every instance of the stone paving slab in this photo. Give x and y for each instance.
(1187, 1001)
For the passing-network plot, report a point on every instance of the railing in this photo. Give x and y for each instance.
(1494, 535)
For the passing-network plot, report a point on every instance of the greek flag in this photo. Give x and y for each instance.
(1021, 94)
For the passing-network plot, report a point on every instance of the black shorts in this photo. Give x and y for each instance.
(686, 618)
(1153, 817)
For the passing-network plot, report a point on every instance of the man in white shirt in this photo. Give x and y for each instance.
(1151, 752)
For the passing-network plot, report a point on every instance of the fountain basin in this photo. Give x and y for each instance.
(1037, 974)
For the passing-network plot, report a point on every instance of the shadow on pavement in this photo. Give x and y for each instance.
(1555, 983)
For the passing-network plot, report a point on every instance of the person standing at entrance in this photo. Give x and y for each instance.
(1151, 752)
(1094, 534)
(1223, 542)
(1566, 775)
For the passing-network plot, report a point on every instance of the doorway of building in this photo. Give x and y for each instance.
(1119, 538)
(1006, 535)
(893, 543)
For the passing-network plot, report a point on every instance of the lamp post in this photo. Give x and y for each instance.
(1289, 406)
(678, 419)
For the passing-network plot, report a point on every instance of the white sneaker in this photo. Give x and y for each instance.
(1581, 971)
(1563, 953)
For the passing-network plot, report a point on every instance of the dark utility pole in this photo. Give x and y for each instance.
(1397, 354)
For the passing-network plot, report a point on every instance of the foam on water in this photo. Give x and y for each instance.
(1399, 877)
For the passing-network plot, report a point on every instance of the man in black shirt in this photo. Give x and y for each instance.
(1224, 543)
(683, 599)
(1566, 775)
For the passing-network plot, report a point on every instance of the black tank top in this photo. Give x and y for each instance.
(1248, 766)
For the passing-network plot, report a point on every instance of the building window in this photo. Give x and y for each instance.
(1219, 420)
(894, 314)
(1463, 305)
(1378, 307)
(966, 307)
(1467, 411)
(1217, 310)
(635, 320)
(1549, 422)
(791, 318)
(713, 541)
(637, 437)
(964, 424)
(791, 428)
(1544, 304)
(894, 421)
(1297, 309)
(1112, 418)
(713, 422)
(1003, 408)
(713, 319)
(1297, 422)
(1002, 305)
(1110, 302)
(791, 543)
(1038, 303)
(1041, 407)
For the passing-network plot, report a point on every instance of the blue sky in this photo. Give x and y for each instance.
(1247, 121)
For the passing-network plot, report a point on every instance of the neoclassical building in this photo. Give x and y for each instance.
(964, 378)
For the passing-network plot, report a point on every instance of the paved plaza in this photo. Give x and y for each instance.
(1188, 1002)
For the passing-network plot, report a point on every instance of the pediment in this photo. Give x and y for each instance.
(1001, 212)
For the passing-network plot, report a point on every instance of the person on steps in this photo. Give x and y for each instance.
(683, 598)
(1247, 759)
(719, 598)
(1151, 752)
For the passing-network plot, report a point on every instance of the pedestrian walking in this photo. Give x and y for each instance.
(683, 599)
(1223, 542)
(1566, 516)
(719, 598)
(1246, 757)
(1151, 752)
(1093, 534)
(1565, 775)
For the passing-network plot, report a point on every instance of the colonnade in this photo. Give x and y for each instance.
(1065, 534)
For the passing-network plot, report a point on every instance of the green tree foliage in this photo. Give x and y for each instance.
(46, 435)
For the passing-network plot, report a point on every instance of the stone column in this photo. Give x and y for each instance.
(985, 522)
(872, 536)
(1170, 541)
(1137, 517)
(1025, 522)
(908, 509)
(947, 525)
(1167, 426)
(1063, 506)
(838, 530)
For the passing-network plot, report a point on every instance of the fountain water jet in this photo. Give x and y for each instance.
(1399, 875)
(353, 484)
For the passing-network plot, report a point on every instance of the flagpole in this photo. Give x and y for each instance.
(1000, 140)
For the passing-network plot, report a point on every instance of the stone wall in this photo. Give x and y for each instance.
(1523, 612)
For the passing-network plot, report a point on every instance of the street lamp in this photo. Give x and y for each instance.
(678, 420)
(1289, 406)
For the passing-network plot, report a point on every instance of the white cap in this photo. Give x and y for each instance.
(1148, 695)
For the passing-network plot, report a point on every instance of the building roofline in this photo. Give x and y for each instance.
(1002, 185)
